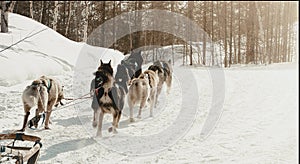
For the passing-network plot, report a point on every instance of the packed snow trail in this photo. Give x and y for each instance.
(258, 123)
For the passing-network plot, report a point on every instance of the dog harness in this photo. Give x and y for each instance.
(149, 80)
(47, 86)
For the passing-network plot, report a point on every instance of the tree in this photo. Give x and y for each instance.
(225, 35)
(239, 33)
(12, 6)
(85, 21)
(103, 18)
(204, 34)
(250, 42)
(55, 15)
(260, 32)
(4, 17)
(190, 14)
(69, 18)
(212, 34)
(230, 34)
(31, 9)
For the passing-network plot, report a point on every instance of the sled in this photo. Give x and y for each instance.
(19, 154)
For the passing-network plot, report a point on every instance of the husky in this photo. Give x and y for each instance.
(129, 68)
(141, 89)
(122, 76)
(44, 93)
(133, 64)
(109, 96)
(165, 71)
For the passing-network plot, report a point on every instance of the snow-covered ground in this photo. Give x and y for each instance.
(258, 122)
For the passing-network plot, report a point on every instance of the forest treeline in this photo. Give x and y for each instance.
(248, 32)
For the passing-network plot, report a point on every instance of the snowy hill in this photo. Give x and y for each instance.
(40, 51)
(258, 121)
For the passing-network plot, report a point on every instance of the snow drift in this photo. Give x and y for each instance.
(31, 49)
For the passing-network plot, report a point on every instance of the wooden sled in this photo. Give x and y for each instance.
(20, 154)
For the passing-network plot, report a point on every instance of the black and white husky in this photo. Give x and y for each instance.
(108, 97)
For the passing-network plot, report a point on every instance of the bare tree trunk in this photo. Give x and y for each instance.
(235, 51)
(190, 10)
(114, 26)
(12, 6)
(276, 35)
(267, 34)
(31, 9)
(239, 37)
(173, 40)
(289, 43)
(69, 18)
(86, 19)
(230, 37)
(285, 31)
(4, 18)
(219, 58)
(250, 33)
(138, 23)
(225, 36)
(271, 26)
(212, 34)
(204, 35)
(130, 33)
(103, 19)
(152, 36)
(42, 11)
(54, 27)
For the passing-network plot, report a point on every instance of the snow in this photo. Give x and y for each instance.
(258, 122)
(52, 53)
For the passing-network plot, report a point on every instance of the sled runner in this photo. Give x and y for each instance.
(19, 154)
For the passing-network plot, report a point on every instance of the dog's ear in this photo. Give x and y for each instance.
(142, 76)
(130, 81)
(109, 62)
(94, 73)
(101, 62)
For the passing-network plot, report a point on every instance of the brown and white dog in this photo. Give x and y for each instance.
(141, 89)
(44, 93)
(165, 75)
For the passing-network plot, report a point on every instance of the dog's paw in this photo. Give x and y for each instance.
(21, 130)
(94, 124)
(47, 128)
(131, 120)
(99, 134)
(139, 116)
(112, 129)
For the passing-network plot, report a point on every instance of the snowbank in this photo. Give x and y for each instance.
(40, 51)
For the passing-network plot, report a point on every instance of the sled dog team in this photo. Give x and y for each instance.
(108, 91)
